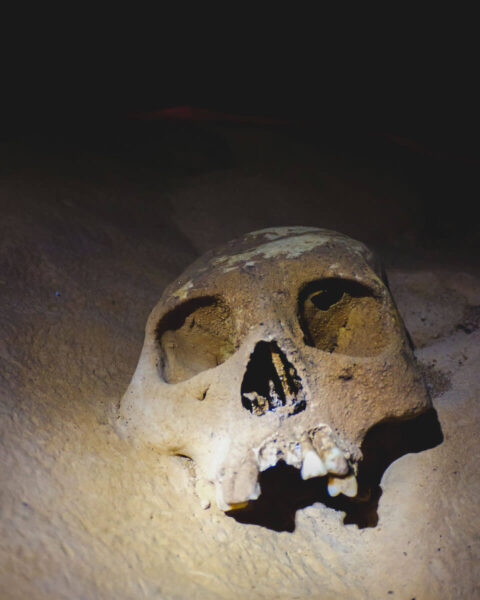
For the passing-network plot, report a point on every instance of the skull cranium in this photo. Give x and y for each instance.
(285, 344)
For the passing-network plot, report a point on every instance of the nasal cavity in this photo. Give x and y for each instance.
(271, 382)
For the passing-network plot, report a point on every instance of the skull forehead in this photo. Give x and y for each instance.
(287, 243)
(284, 243)
(258, 258)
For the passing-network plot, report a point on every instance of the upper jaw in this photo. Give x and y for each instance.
(315, 452)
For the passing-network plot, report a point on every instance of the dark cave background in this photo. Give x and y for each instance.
(411, 111)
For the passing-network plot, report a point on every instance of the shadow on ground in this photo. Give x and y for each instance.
(284, 492)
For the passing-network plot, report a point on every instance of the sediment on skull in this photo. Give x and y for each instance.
(344, 316)
(194, 336)
(271, 382)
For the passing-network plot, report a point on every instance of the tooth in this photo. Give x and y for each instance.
(335, 461)
(294, 456)
(236, 506)
(240, 484)
(331, 454)
(268, 457)
(313, 465)
(350, 486)
(265, 462)
(343, 485)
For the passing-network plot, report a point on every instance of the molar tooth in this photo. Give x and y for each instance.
(343, 485)
(335, 461)
(313, 465)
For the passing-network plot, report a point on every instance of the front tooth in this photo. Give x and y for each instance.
(266, 462)
(335, 461)
(240, 484)
(313, 465)
(268, 457)
(294, 456)
(343, 485)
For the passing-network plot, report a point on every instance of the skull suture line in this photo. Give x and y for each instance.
(285, 345)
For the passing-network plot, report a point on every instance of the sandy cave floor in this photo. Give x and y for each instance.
(88, 239)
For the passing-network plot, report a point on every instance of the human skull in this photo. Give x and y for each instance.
(285, 344)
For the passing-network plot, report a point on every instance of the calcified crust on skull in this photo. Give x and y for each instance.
(285, 344)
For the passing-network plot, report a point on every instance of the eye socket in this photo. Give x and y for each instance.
(193, 337)
(323, 299)
(338, 315)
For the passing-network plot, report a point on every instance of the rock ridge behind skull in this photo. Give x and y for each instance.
(284, 344)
